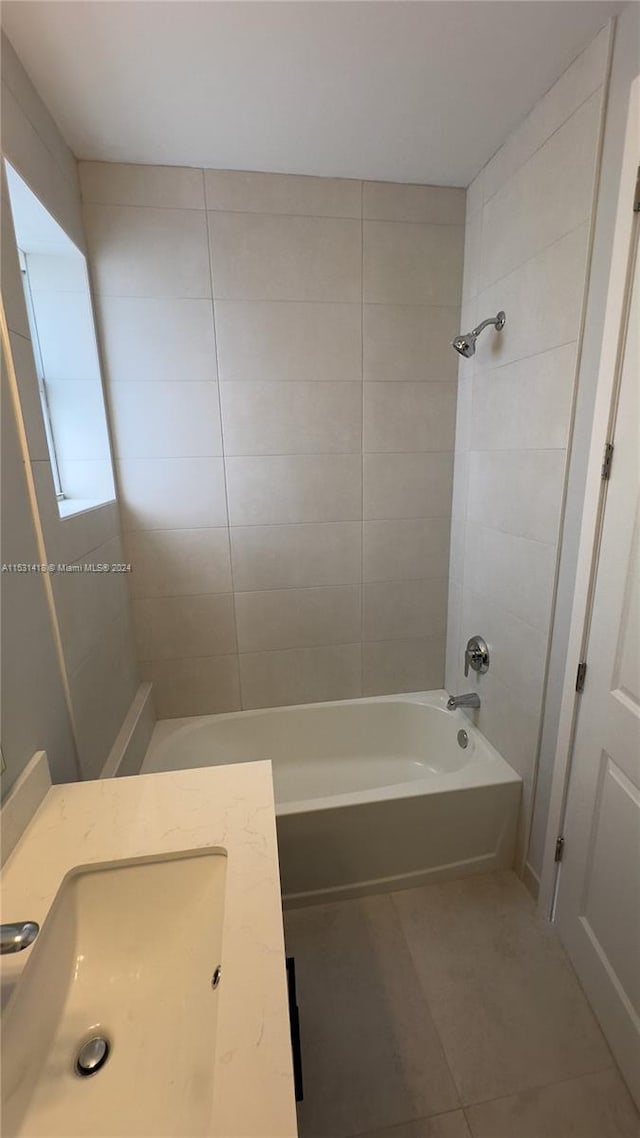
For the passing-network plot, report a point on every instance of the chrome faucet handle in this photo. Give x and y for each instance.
(476, 656)
(15, 937)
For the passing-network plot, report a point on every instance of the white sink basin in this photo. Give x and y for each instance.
(127, 953)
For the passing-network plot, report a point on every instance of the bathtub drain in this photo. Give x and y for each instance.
(92, 1056)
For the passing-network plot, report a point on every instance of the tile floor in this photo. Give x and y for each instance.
(449, 1011)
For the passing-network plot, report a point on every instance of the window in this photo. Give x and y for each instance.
(60, 314)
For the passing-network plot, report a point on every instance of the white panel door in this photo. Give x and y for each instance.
(598, 907)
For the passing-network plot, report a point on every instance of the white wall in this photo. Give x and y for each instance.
(282, 396)
(92, 610)
(528, 233)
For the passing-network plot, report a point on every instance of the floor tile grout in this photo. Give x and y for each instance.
(425, 997)
(612, 1066)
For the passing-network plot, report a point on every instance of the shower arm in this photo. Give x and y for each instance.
(497, 321)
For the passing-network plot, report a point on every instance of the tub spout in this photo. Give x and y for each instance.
(471, 700)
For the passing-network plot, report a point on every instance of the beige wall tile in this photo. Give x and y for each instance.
(528, 223)
(196, 686)
(166, 420)
(285, 418)
(505, 632)
(409, 416)
(26, 151)
(409, 342)
(242, 191)
(513, 572)
(406, 549)
(543, 306)
(399, 610)
(526, 404)
(119, 183)
(393, 201)
(457, 548)
(297, 618)
(156, 339)
(593, 1106)
(169, 563)
(264, 257)
(288, 340)
(537, 207)
(511, 722)
(77, 535)
(12, 291)
(138, 251)
(475, 194)
(302, 675)
(286, 259)
(33, 702)
(573, 88)
(104, 681)
(472, 255)
(27, 97)
(108, 670)
(407, 485)
(89, 604)
(298, 556)
(297, 488)
(412, 264)
(170, 628)
(519, 492)
(452, 676)
(172, 493)
(403, 665)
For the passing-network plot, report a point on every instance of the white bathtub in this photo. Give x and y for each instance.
(370, 793)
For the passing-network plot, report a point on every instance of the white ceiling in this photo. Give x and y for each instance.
(394, 90)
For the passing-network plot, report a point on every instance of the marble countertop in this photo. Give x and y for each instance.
(226, 807)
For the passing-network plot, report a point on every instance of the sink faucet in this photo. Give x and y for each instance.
(15, 937)
(471, 699)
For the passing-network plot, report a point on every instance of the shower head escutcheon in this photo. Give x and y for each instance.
(465, 344)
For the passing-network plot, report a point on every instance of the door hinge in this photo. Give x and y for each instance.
(606, 461)
(636, 196)
(559, 849)
(580, 675)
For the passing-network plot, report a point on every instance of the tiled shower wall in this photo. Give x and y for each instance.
(282, 397)
(92, 610)
(528, 229)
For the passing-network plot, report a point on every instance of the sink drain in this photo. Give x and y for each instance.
(92, 1056)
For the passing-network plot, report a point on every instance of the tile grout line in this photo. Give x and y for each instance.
(303, 648)
(547, 138)
(612, 1066)
(425, 997)
(224, 464)
(287, 214)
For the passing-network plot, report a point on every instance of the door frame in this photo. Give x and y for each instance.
(595, 490)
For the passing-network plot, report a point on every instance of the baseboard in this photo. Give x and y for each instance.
(531, 880)
(128, 751)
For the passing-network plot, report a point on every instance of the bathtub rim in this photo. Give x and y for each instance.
(491, 769)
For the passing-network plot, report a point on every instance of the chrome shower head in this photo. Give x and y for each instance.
(465, 344)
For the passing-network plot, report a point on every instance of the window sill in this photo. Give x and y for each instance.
(69, 507)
